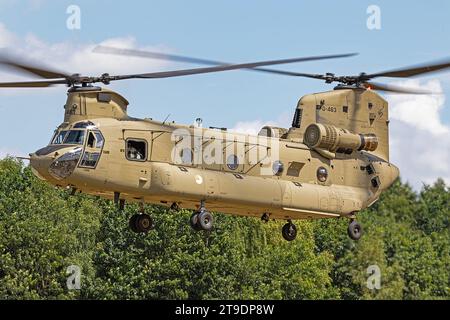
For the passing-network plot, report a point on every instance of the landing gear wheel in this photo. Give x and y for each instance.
(354, 230)
(132, 223)
(205, 220)
(141, 223)
(289, 231)
(194, 222)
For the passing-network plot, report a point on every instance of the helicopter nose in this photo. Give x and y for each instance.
(55, 164)
(395, 173)
(39, 166)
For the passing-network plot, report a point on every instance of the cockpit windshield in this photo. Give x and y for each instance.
(69, 137)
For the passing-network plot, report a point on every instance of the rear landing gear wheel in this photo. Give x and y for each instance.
(132, 223)
(354, 230)
(289, 231)
(141, 223)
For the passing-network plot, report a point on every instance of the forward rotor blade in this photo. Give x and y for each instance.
(413, 70)
(41, 71)
(178, 58)
(396, 89)
(33, 84)
(220, 68)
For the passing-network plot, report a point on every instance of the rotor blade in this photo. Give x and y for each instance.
(414, 70)
(33, 84)
(396, 89)
(41, 71)
(220, 68)
(178, 58)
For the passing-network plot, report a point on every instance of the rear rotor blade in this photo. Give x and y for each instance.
(396, 89)
(414, 70)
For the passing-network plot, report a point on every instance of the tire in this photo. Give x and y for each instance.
(194, 222)
(144, 223)
(354, 230)
(289, 232)
(205, 220)
(132, 223)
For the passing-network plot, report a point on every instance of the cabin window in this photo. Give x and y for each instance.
(294, 169)
(136, 150)
(296, 122)
(233, 162)
(278, 168)
(186, 156)
(322, 174)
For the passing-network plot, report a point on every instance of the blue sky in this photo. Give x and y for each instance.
(235, 31)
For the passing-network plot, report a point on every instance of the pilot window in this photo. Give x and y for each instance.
(75, 137)
(59, 137)
(136, 150)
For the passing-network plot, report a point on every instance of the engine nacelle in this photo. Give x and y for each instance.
(338, 140)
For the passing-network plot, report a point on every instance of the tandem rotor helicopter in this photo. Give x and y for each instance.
(332, 162)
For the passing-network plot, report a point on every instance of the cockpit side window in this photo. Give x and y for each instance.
(91, 140)
(92, 153)
(99, 140)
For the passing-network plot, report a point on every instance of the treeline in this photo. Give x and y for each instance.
(44, 230)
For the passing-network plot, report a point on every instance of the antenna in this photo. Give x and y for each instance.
(167, 118)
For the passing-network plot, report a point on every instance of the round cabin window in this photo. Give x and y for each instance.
(232, 162)
(277, 168)
(322, 174)
(186, 156)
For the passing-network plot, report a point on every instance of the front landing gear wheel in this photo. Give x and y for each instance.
(289, 231)
(194, 222)
(354, 230)
(202, 220)
(205, 220)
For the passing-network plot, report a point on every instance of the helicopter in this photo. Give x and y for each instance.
(333, 162)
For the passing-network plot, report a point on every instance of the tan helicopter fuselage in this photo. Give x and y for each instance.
(112, 155)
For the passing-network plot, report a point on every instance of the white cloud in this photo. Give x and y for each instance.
(254, 126)
(420, 143)
(251, 127)
(421, 111)
(4, 152)
(78, 58)
(7, 38)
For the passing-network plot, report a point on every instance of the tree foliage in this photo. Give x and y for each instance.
(44, 230)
